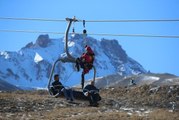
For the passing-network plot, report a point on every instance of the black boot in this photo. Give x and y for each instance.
(82, 80)
(77, 64)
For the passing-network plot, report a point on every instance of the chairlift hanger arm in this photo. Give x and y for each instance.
(71, 58)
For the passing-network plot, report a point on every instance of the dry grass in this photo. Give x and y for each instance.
(32, 105)
(141, 96)
(163, 114)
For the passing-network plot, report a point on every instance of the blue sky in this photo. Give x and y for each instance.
(155, 54)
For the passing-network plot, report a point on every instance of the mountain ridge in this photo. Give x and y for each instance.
(31, 65)
(5, 86)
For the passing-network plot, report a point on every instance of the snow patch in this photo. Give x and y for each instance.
(5, 54)
(63, 55)
(140, 112)
(37, 58)
(170, 80)
(72, 35)
(153, 78)
(129, 113)
(122, 68)
(40, 88)
(135, 72)
(71, 43)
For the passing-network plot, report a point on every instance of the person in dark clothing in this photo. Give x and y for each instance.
(85, 62)
(58, 89)
(92, 93)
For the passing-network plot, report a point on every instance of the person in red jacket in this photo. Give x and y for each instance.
(85, 62)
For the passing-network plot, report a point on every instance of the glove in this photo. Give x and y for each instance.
(86, 93)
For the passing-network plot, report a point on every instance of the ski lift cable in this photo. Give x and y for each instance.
(95, 34)
(33, 19)
(78, 20)
(149, 20)
(31, 31)
(135, 35)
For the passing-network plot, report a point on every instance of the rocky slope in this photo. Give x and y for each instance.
(154, 79)
(5, 86)
(135, 103)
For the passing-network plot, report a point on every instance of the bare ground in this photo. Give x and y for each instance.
(135, 103)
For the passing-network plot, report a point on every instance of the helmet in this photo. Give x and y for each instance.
(87, 48)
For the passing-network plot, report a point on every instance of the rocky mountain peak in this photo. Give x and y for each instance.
(43, 41)
(112, 48)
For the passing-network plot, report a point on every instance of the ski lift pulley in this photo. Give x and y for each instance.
(84, 31)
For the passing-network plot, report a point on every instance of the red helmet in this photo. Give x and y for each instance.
(88, 49)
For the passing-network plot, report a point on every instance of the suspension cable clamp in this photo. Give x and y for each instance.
(72, 19)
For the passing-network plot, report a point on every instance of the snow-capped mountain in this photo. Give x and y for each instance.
(31, 66)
